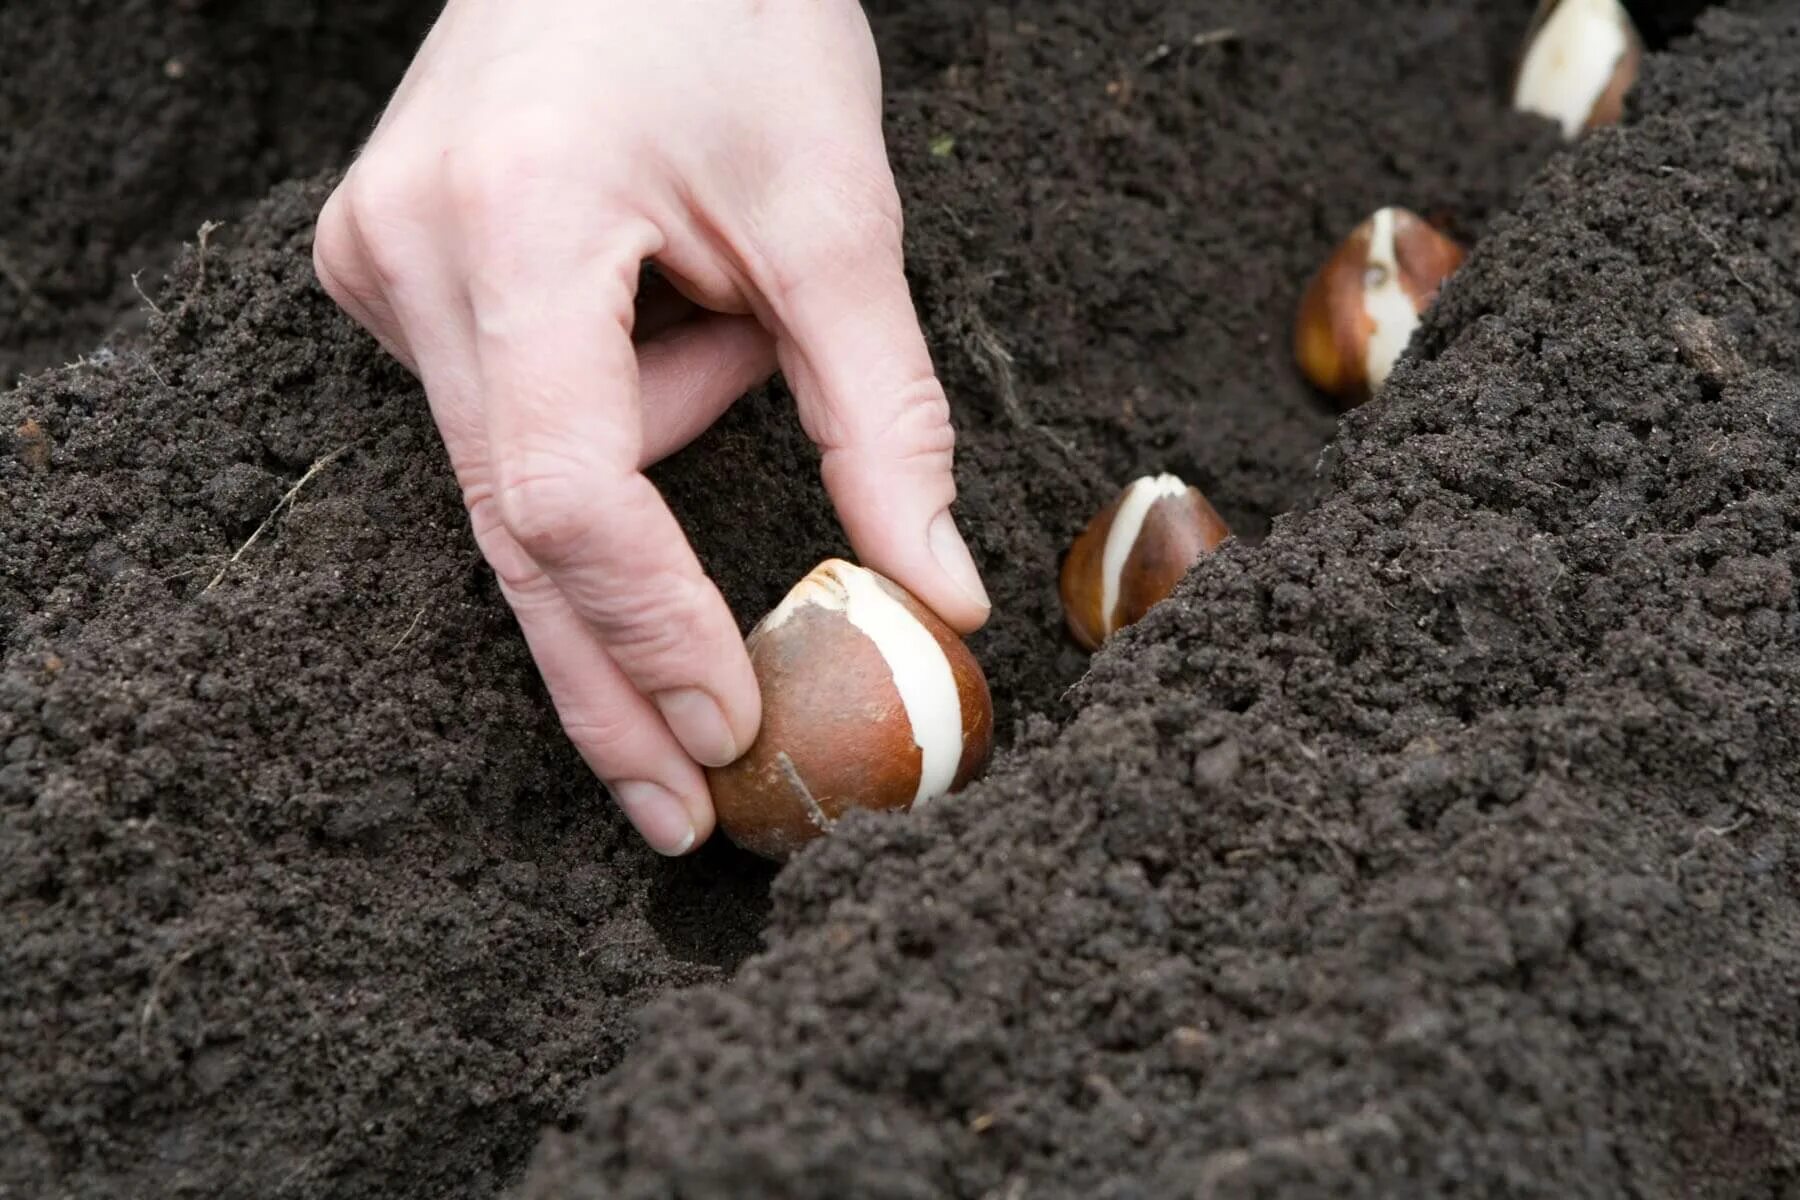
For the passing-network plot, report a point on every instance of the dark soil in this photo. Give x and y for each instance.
(1440, 843)
(124, 125)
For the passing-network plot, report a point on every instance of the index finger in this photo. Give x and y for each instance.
(869, 396)
(565, 434)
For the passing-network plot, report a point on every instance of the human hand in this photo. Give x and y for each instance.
(491, 236)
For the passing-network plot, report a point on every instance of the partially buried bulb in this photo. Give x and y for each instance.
(1581, 57)
(1131, 556)
(869, 701)
(1360, 310)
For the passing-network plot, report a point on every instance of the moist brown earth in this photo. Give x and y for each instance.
(1437, 838)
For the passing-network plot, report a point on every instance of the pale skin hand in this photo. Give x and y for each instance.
(491, 236)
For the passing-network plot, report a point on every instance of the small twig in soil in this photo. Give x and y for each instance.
(312, 1013)
(417, 617)
(142, 294)
(1701, 834)
(626, 942)
(1718, 249)
(1319, 831)
(1709, 237)
(151, 367)
(305, 1165)
(995, 362)
(961, 226)
(153, 1001)
(207, 229)
(1211, 37)
(275, 512)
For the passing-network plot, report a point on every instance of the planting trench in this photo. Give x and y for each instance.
(1439, 835)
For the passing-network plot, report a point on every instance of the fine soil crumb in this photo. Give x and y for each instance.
(1442, 840)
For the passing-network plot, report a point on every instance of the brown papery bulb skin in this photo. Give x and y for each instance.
(1131, 556)
(1359, 311)
(869, 701)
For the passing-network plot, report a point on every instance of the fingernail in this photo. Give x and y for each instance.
(698, 723)
(952, 554)
(658, 814)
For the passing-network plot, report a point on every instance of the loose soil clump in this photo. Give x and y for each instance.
(1436, 836)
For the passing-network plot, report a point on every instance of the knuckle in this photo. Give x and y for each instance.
(847, 223)
(342, 272)
(485, 175)
(383, 197)
(657, 623)
(331, 272)
(543, 505)
(384, 189)
(605, 727)
(334, 246)
(520, 577)
(920, 423)
(911, 425)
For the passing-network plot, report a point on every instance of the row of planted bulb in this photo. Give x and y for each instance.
(870, 701)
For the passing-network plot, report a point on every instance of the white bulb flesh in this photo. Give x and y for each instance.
(1128, 522)
(916, 662)
(1571, 61)
(1385, 301)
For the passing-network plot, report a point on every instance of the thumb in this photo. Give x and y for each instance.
(850, 346)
